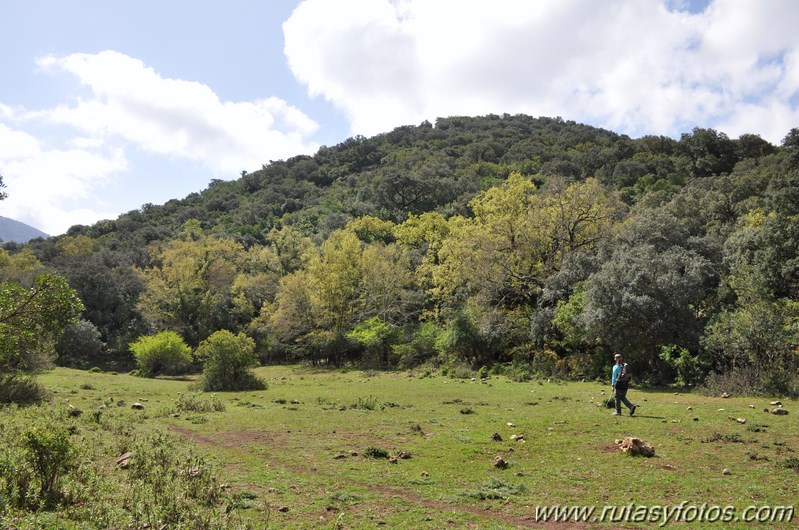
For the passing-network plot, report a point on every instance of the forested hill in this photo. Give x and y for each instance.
(411, 169)
(512, 232)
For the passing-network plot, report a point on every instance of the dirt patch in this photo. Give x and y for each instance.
(231, 440)
(609, 448)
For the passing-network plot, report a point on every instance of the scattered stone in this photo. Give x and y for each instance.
(73, 412)
(725, 395)
(776, 403)
(726, 471)
(499, 462)
(124, 460)
(353, 453)
(425, 474)
(722, 410)
(690, 408)
(283, 509)
(102, 407)
(751, 406)
(340, 456)
(137, 406)
(392, 459)
(174, 415)
(636, 447)
(517, 437)
(404, 455)
(550, 429)
(511, 424)
(779, 411)
(741, 420)
(675, 421)
(695, 419)
(496, 437)
(669, 467)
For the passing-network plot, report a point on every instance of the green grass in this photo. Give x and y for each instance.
(296, 455)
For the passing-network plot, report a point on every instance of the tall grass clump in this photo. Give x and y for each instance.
(195, 402)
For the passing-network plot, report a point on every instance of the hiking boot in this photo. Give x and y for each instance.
(632, 410)
(617, 413)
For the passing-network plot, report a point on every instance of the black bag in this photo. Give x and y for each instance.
(625, 375)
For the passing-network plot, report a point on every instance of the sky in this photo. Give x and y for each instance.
(108, 105)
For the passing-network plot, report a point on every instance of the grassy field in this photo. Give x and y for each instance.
(310, 451)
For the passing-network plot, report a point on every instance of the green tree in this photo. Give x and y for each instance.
(30, 321)
(649, 292)
(189, 286)
(519, 237)
(80, 343)
(376, 338)
(763, 335)
(227, 359)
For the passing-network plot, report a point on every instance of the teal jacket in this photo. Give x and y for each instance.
(616, 374)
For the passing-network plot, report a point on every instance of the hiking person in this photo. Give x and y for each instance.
(620, 382)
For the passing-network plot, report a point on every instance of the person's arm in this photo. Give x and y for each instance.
(614, 375)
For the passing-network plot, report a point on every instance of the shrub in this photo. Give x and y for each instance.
(226, 361)
(690, 368)
(163, 353)
(375, 452)
(50, 454)
(20, 388)
(421, 348)
(375, 337)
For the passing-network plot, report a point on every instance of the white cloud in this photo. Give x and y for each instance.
(173, 117)
(42, 183)
(56, 175)
(641, 67)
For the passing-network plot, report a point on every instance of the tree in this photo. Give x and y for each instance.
(227, 359)
(519, 237)
(79, 343)
(164, 353)
(188, 287)
(30, 321)
(386, 285)
(649, 292)
(376, 338)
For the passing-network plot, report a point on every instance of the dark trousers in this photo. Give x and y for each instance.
(621, 396)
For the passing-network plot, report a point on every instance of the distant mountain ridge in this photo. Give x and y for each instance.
(18, 232)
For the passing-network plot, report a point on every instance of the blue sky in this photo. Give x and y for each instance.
(108, 105)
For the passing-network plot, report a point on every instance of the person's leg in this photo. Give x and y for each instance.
(626, 402)
(618, 404)
(621, 397)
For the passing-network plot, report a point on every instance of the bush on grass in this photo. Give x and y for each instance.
(20, 388)
(227, 359)
(164, 353)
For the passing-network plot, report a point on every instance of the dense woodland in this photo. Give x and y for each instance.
(523, 245)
